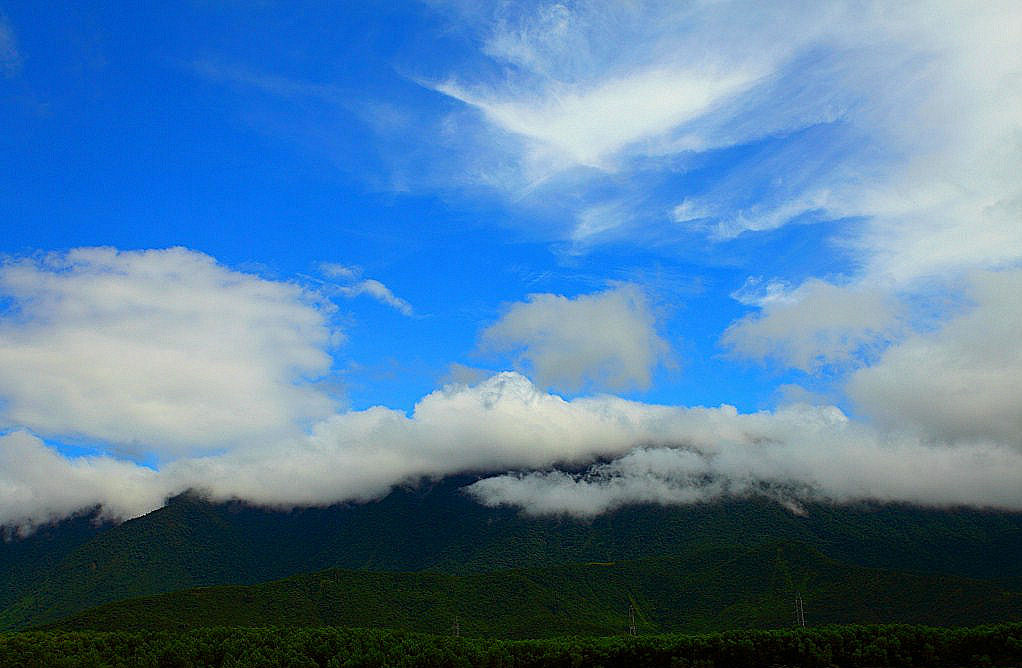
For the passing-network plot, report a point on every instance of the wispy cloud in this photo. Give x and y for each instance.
(10, 56)
(379, 292)
(269, 83)
(923, 165)
(589, 126)
(354, 286)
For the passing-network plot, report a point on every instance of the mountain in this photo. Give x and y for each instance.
(26, 561)
(437, 528)
(702, 591)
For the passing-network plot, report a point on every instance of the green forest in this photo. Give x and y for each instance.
(203, 584)
(694, 569)
(702, 591)
(824, 647)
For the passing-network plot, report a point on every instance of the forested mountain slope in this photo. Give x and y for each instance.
(436, 527)
(701, 591)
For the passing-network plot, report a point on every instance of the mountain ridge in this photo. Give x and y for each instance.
(192, 542)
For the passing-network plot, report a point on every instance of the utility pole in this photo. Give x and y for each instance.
(632, 629)
(800, 615)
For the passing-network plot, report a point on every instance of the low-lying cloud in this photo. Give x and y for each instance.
(38, 485)
(840, 465)
(656, 454)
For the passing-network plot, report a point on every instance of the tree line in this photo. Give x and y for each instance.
(849, 646)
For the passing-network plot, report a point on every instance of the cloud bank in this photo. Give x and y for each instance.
(656, 454)
(850, 467)
(38, 485)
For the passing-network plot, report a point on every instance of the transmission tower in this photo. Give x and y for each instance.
(800, 615)
(632, 629)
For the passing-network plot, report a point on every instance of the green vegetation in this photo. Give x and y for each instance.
(844, 647)
(714, 561)
(707, 590)
(25, 562)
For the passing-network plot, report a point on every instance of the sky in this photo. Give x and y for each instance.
(596, 253)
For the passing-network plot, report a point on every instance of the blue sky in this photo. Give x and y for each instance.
(241, 233)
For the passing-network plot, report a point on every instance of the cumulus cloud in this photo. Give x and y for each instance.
(606, 340)
(161, 352)
(962, 381)
(818, 324)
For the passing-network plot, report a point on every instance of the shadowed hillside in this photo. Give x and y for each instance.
(702, 591)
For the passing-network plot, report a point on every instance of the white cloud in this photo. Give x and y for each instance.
(502, 423)
(961, 382)
(602, 84)
(659, 454)
(606, 340)
(379, 292)
(952, 202)
(901, 120)
(754, 292)
(818, 324)
(38, 485)
(336, 270)
(583, 125)
(161, 352)
(367, 286)
(793, 470)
